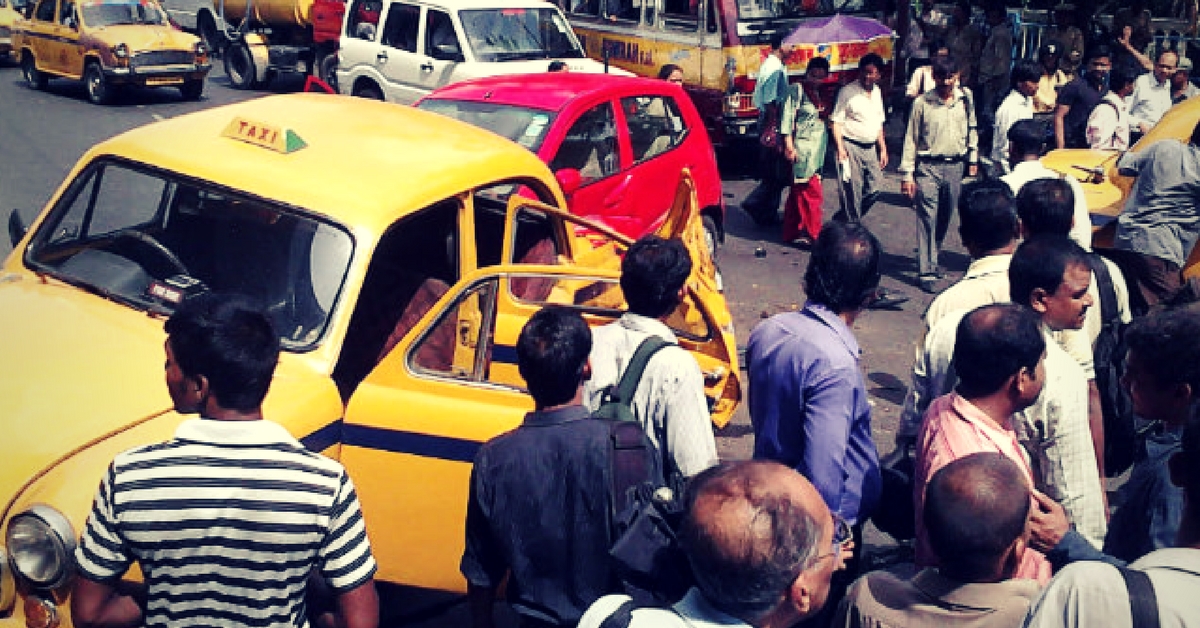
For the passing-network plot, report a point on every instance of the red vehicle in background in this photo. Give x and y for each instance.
(616, 144)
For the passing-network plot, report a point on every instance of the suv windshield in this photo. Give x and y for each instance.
(112, 12)
(765, 9)
(515, 34)
(522, 125)
(148, 238)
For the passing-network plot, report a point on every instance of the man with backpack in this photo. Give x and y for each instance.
(537, 511)
(668, 399)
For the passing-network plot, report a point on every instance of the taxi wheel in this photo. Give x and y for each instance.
(34, 77)
(711, 236)
(192, 89)
(240, 67)
(98, 89)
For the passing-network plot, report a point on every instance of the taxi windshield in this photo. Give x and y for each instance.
(523, 125)
(114, 12)
(517, 34)
(767, 9)
(148, 238)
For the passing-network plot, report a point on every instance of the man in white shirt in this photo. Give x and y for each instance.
(762, 203)
(1108, 125)
(1182, 87)
(857, 127)
(1152, 94)
(1025, 149)
(1018, 105)
(670, 402)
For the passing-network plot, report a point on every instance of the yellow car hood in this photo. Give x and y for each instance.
(142, 37)
(76, 368)
(1105, 193)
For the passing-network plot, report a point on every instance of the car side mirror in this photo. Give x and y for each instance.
(16, 227)
(569, 180)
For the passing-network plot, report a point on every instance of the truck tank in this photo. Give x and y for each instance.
(279, 13)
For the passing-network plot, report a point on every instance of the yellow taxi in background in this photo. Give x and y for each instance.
(109, 43)
(1106, 189)
(399, 253)
(8, 16)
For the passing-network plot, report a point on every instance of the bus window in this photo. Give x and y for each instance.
(681, 15)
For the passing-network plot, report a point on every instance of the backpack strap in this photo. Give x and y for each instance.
(628, 384)
(1143, 604)
(1108, 294)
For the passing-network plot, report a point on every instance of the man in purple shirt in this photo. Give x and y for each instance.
(808, 403)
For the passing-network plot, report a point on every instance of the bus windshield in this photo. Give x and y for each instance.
(769, 9)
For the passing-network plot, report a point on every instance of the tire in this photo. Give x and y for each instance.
(712, 236)
(35, 78)
(240, 67)
(367, 90)
(326, 69)
(99, 91)
(213, 38)
(192, 89)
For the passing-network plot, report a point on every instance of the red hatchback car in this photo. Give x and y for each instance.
(616, 143)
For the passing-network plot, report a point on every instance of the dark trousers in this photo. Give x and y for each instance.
(762, 203)
(1157, 280)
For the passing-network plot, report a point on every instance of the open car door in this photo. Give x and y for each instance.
(413, 426)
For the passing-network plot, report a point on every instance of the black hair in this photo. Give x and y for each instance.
(975, 508)
(556, 66)
(667, 70)
(817, 63)
(1042, 262)
(1047, 206)
(992, 344)
(1167, 342)
(1026, 70)
(1120, 77)
(1027, 137)
(653, 271)
(746, 572)
(1095, 52)
(870, 58)
(843, 271)
(936, 45)
(776, 41)
(229, 342)
(552, 352)
(987, 219)
(944, 67)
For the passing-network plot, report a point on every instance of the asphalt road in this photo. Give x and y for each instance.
(43, 134)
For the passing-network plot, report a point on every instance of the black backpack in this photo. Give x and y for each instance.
(1121, 437)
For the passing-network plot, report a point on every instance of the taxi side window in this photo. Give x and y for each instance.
(363, 21)
(45, 11)
(655, 125)
(590, 145)
(583, 7)
(441, 42)
(66, 14)
(400, 29)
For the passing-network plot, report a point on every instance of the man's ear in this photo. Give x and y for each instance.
(800, 595)
(1037, 300)
(587, 370)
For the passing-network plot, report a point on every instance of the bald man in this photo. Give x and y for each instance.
(763, 547)
(976, 508)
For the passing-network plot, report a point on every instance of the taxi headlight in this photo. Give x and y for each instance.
(41, 546)
(121, 51)
(200, 49)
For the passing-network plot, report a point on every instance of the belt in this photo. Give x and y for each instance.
(860, 144)
(941, 160)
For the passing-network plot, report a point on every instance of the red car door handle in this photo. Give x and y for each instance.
(617, 194)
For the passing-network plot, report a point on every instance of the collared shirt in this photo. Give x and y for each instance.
(881, 600)
(772, 82)
(1047, 92)
(1015, 107)
(954, 428)
(693, 611)
(1189, 91)
(985, 282)
(1160, 217)
(226, 520)
(669, 402)
(1056, 434)
(1149, 101)
(808, 405)
(1026, 171)
(1092, 593)
(859, 112)
(537, 510)
(940, 129)
(1108, 126)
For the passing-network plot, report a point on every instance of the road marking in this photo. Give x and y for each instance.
(158, 117)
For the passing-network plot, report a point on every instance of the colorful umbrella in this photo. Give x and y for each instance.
(837, 29)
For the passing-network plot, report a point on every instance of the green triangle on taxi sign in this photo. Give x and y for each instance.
(293, 142)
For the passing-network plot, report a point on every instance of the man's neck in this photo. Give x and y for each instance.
(577, 400)
(217, 413)
(996, 408)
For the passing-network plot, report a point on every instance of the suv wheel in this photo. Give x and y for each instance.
(368, 91)
(35, 78)
(99, 91)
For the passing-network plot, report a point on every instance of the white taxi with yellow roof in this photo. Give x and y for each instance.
(398, 253)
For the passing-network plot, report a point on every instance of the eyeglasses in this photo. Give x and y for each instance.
(843, 534)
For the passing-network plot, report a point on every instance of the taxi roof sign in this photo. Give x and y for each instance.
(267, 136)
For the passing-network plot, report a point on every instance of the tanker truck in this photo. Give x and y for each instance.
(259, 39)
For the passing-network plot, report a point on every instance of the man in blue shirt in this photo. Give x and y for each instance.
(808, 403)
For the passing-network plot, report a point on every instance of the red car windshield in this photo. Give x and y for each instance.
(522, 125)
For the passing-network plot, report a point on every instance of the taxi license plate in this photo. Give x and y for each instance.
(171, 80)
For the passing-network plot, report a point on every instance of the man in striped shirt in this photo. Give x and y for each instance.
(228, 519)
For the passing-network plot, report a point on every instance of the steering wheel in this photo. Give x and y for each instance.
(144, 242)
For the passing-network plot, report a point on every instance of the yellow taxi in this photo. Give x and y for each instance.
(1106, 189)
(106, 44)
(399, 253)
(9, 14)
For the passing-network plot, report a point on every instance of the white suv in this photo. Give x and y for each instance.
(400, 50)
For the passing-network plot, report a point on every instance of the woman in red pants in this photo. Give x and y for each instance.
(804, 138)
